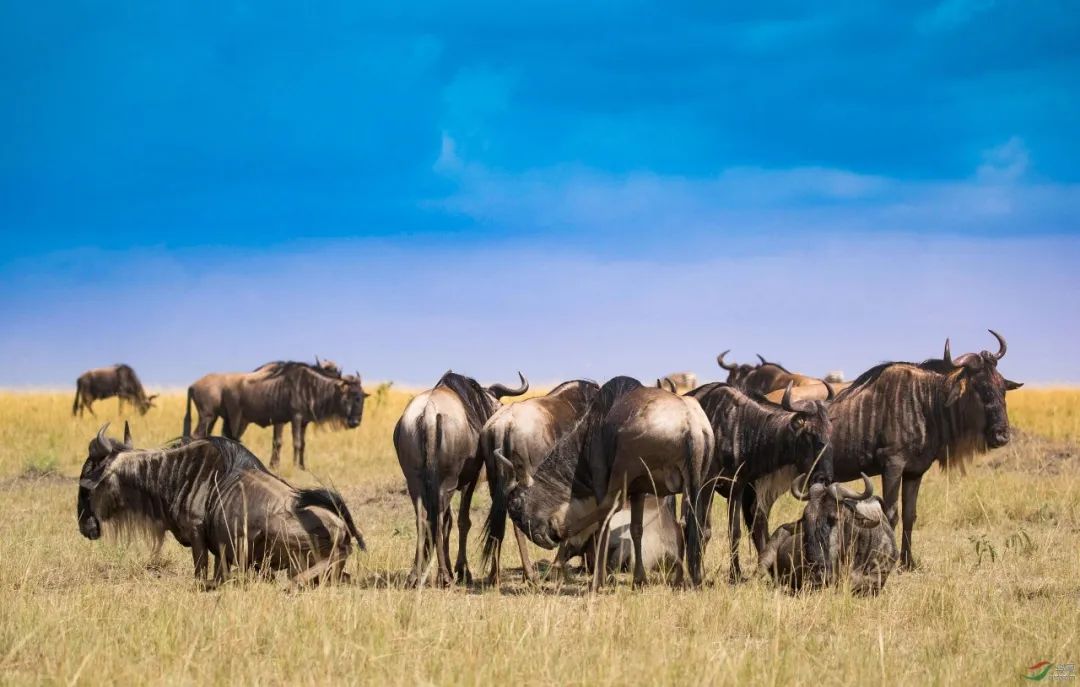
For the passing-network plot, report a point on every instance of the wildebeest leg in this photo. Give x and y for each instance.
(423, 547)
(443, 578)
(298, 426)
(734, 532)
(603, 540)
(637, 515)
(200, 557)
(756, 517)
(911, 498)
(527, 570)
(119, 405)
(275, 447)
(461, 567)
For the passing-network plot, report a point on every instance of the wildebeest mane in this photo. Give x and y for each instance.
(283, 367)
(479, 404)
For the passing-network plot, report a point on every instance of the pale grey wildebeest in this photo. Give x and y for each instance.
(633, 441)
(661, 539)
(897, 419)
(287, 392)
(525, 431)
(437, 442)
(217, 498)
(760, 446)
(842, 534)
(105, 382)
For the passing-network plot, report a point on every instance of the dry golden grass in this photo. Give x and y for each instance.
(997, 591)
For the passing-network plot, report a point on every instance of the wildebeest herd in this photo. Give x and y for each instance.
(622, 474)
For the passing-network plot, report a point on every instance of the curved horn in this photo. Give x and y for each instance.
(104, 441)
(762, 359)
(839, 491)
(658, 384)
(721, 363)
(803, 494)
(500, 390)
(1002, 347)
(830, 392)
(786, 401)
(947, 355)
(318, 363)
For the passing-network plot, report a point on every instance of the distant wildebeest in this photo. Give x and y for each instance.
(633, 441)
(275, 394)
(821, 391)
(842, 533)
(437, 442)
(766, 377)
(897, 419)
(105, 382)
(661, 539)
(215, 497)
(206, 394)
(760, 446)
(525, 431)
(682, 381)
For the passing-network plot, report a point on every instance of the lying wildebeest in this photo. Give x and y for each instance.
(661, 539)
(682, 380)
(766, 377)
(105, 382)
(279, 393)
(897, 418)
(437, 442)
(526, 432)
(632, 441)
(842, 533)
(215, 497)
(759, 447)
(206, 394)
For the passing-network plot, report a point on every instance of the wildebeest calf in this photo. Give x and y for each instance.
(217, 498)
(841, 532)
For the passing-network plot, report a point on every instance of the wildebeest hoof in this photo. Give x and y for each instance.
(909, 564)
(444, 581)
(464, 577)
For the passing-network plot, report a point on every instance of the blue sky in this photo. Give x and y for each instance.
(569, 190)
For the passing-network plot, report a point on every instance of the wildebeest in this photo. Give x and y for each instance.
(525, 431)
(215, 497)
(765, 377)
(206, 395)
(661, 539)
(275, 394)
(682, 381)
(760, 446)
(633, 441)
(897, 419)
(841, 533)
(105, 382)
(437, 442)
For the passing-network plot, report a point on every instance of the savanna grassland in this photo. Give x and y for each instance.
(998, 588)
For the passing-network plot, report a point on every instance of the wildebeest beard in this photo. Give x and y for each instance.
(565, 475)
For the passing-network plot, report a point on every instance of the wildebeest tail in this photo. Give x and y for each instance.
(429, 435)
(495, 525)
(330, 500)
(187, 416)
(78, 396)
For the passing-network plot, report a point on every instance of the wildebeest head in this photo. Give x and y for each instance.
(102, 451)
(975, 380)
(825, 506)
(736, 372)
(350, 397)
(812, 431)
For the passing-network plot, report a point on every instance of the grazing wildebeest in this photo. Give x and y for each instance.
(766, 377)
(683, 381)
(206, 394)
(215, 497)
(633, 441)
(760, 446)
(842, 533)
(437, 441)
(897, 419)
(661, 538)
(105, 382)
(526, 432)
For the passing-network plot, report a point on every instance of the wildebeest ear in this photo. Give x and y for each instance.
(1010, 385)
(127, 434)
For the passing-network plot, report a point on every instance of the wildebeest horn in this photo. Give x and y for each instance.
(839, 491)
(104, 441)
(1001, 345)
(318, 363)
(830, 392)
(127, 434)
(762, 359)
(721, 363)
(670, 384)
(500, 390)
(947, 355)
(801, 493)
(786, 401)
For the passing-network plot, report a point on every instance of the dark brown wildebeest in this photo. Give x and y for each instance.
(105, 382)
(526, 432)
(897, 419)
(759, 448)
(633, 441)
(766, 377)
(842, 533)
(295, 393)
(437, 441)
(206, 394)
(215, 497)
